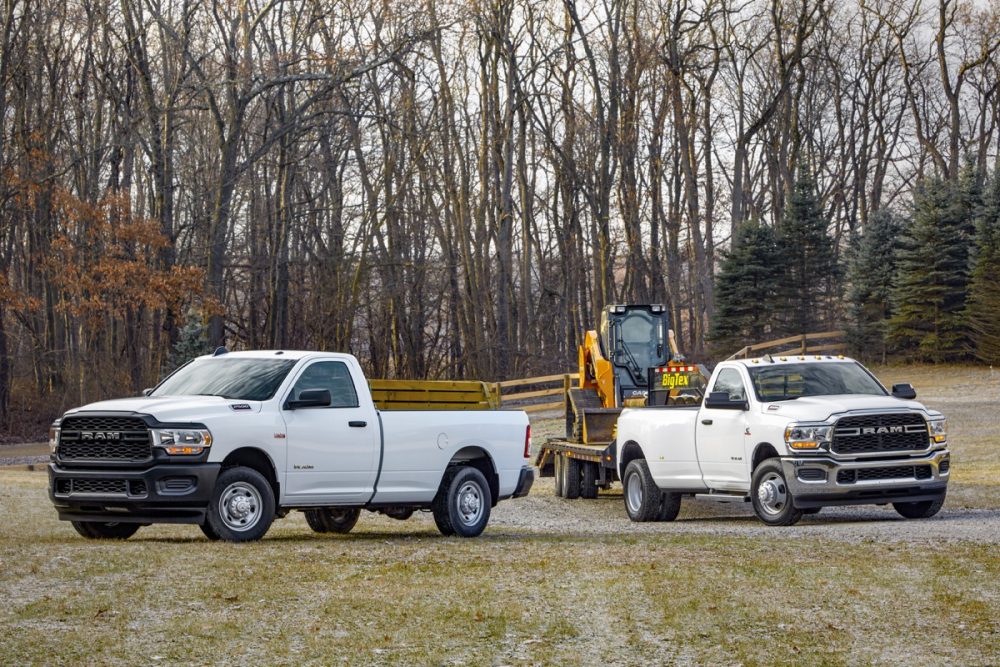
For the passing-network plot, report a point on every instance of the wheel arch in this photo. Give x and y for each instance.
(629, 452)
(251, 457)
(762, 452)
(480, 459)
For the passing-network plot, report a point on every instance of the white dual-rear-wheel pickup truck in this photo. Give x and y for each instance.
(233, 440)
(791, 435)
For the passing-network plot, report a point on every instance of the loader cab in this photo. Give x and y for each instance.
(635, 338)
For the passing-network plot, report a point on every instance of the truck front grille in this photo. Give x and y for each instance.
(117, 439)
(877, 474)
(98, 486)
(892, 432)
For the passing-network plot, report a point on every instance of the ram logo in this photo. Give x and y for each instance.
(871, 430)
(100, 435)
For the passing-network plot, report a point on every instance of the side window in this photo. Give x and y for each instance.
(331, 375)
(729, 381)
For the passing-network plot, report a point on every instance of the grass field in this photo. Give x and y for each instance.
(399, 593)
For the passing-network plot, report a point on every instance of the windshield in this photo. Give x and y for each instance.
(243, 379)
(788, 381)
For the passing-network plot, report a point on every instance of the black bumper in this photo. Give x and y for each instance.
(524, 482)
(874, 496)
(160, 494)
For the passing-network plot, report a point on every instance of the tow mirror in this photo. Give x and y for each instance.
(904, 390)
(719, 400)
(147, 391)
(310, 398)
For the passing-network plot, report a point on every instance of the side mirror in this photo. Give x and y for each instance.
(310, 398)
(904, 390)
(719, 400)
(147, 391)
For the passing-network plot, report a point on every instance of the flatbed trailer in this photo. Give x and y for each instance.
(580, 470)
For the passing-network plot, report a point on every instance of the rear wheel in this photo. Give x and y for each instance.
(922, 510)
(772, 501)
(208, 532)
(332, 519)
(557, 469)
(670, 507)
(462, 505)
(571, 478)
(643, 499)
(101, 530)
(590, 476)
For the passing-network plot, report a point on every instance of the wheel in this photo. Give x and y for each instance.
(332, 519)
(772, 502)
(588, 489)
(462, 505)
(102, 530)
(398, 513)
(643, 499)
(242, 505)
(557, 467)
(571, 479)
(670, 507)
(922, 510)
(811, 510)
(208, 531)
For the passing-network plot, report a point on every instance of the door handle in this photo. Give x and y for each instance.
(706, 422)
(358, 424)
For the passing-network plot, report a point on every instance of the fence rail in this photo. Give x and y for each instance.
(811, 343)
(527, 400)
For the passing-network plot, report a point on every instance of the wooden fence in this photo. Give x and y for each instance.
(532, 400)
(827, 342)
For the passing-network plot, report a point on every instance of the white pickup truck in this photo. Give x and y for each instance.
(232, 440)
(790, 435)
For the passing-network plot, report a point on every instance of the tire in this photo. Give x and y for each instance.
(557, 468)
(332, 519)
(463, 503)
(208, 532)
(670, 507)
(571, 478)
(103, 530)
(242, 505)
(922, 510)
(588, 489)
(772, 502)
(643, 499)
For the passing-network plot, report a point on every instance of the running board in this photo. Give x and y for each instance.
(723, 497)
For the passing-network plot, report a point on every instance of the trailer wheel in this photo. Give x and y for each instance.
(921, 510)
(670, 508)
(462, 505)
(242, 505)
(571, 478)
(643, 499)
(772, 501)
(590, 475)
(101, 530)
(557, 468)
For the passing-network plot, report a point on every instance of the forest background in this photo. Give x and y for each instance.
(455, 188)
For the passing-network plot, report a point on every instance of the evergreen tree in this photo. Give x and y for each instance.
(871, 274)
(983, 312)
(930, 293)
(192, 341)
(810, 274)
(745, 289)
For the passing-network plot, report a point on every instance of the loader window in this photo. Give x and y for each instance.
(642, 340)
(331, 375)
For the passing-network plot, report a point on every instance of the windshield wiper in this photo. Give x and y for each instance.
(228, 398)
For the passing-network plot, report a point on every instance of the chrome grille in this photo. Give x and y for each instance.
(96, 438)
(892, 432)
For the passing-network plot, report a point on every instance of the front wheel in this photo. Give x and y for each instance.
(643, 499)
(242, 505)
(99, 530)
(462, 505)
(772, 501)
(921, 510)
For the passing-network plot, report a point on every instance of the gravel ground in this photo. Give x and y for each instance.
(20, 455)
(543, 512)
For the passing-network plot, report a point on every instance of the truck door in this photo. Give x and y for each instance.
(721, 437)
(332, 450)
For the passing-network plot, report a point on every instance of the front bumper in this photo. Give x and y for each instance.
(524, 482)
(161, 494)
(823, 481)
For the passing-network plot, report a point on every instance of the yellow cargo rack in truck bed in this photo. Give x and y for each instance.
(435, 395)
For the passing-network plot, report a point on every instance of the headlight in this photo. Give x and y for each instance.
(807, 436)
(184, 442)
(938, 429)
(54, 431)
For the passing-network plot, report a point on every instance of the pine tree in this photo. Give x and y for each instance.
(810, 274)
(930, 293)
(192, 341)
(745, 289)
(983, 312)
(871, 274)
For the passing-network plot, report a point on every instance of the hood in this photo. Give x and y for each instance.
(820, 408)
(172, 409)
